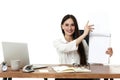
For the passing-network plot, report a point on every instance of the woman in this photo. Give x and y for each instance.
(73, 48)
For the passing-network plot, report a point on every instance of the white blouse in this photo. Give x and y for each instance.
(67, 51)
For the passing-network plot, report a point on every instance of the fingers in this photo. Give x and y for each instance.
(109, 52)
(87, 23)
(89, 27)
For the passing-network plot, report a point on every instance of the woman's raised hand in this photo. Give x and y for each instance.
(88, 28)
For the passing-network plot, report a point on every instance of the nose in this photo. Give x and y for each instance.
(69, 27)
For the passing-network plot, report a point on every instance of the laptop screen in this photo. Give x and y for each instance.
(15, 51)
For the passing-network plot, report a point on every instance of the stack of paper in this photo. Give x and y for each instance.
(70, 69)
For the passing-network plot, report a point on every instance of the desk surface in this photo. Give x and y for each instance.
(97, 71)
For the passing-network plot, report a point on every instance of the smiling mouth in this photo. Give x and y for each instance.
(70, 31)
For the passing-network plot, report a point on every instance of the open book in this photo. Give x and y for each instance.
(70, 69)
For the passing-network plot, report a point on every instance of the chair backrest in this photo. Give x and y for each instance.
(86, 38)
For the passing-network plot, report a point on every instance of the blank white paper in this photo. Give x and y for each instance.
(98, 44)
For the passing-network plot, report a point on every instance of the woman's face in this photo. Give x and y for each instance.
(68, 27)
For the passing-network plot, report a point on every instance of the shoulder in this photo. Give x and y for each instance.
(61, 40)
(58, 41)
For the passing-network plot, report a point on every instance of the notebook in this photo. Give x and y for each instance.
(70, 69)
(15, 51)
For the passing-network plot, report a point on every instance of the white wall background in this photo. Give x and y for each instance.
(37, 22)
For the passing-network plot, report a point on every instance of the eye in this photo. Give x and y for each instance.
(66, 24)
(72, 24)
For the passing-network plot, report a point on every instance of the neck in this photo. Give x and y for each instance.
(69, 38)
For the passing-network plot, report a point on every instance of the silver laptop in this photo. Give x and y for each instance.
(15, 51)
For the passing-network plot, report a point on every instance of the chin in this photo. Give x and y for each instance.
(70, 34)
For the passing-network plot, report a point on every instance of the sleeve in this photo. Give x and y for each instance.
(65, 47)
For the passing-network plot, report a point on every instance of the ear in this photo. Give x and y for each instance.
(62, 26)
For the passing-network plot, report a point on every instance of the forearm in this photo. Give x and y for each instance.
(79, 39)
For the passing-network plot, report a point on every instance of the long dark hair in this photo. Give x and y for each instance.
(81, 50)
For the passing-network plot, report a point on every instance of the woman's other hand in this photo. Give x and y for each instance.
(109, 51)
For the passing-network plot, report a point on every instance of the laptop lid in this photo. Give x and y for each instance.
(16, 51)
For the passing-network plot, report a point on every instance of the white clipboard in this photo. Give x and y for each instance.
(98, 44)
